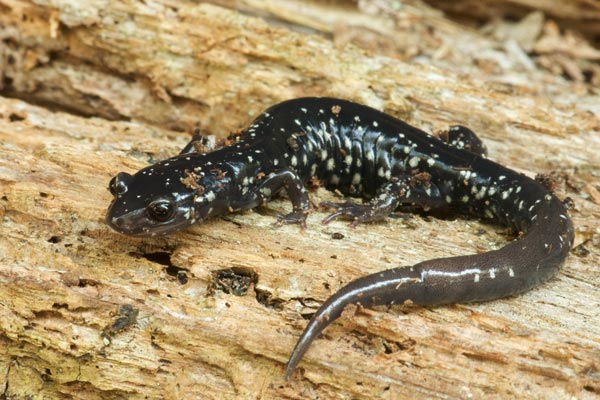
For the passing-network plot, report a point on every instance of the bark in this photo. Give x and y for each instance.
(93, 88)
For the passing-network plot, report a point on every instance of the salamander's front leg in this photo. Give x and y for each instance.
(415, 190)
(293, 185)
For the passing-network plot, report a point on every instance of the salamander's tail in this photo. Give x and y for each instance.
(363, 290)
(522, 264)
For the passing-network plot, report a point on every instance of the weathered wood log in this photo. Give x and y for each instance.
(213, 312)
(580, 15)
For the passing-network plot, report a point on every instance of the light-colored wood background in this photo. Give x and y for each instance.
(88, 89)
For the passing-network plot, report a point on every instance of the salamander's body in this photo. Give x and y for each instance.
(360, 152)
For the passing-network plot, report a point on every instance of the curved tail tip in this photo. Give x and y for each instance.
(286, 375)
(289, 369)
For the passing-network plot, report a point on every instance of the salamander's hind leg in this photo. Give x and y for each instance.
(414, 190)
(462, 137)
(293, 185)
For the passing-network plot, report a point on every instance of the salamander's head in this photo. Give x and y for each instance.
(165, 197)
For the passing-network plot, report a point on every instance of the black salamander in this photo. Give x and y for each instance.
(360, 152)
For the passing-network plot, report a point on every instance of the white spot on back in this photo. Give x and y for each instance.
(347, 142)
(330, 164)
(481, 193)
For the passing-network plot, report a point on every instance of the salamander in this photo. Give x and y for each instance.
(361, 152)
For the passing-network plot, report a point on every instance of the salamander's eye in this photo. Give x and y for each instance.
(118, 184)
(161, 210)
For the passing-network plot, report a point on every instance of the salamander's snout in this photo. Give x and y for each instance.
(122, 211)
(119, 184)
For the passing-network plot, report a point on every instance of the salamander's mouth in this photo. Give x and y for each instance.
(127, 224)
(137, 223)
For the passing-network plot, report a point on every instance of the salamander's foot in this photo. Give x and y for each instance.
(358, 213)
(415, 190)
(295, 217)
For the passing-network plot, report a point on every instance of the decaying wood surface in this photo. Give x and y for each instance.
(213, 312)
(582, 15)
